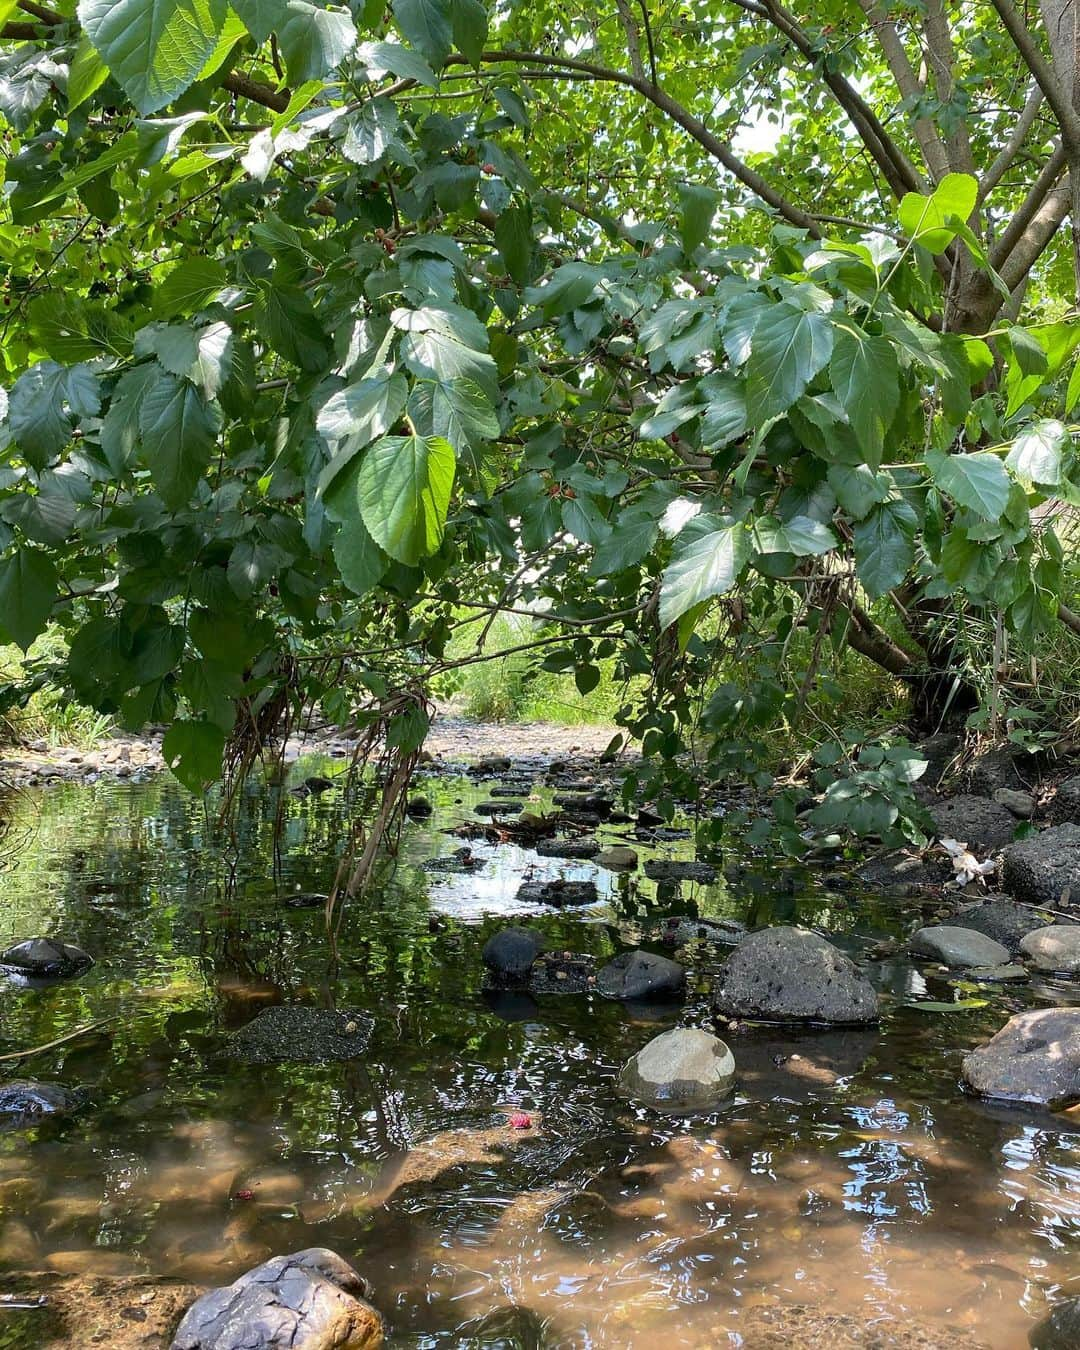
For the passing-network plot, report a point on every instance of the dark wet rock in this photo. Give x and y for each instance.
(662, 834)
(510, 1328)
(491, 767)
(311, 1300)
(517, 790)
(418, 808)
(1035, 1057)
(659, 869)
(618, 858)
(559, 893)
(679, 930)
(42, 958)
(1045, 868)
(905, 873)
(1009, 974)
(983, 825)
(641, 976)
(1005, 921)
(939, 752)
(958, 946)
(1020, 804)
(683, 1069)
(306, 900)
(793, 1326)
(563, 973)
(593, 804)
(509, 954)
(647, 816)
(296, 1034)
(505, 807)
(461, 860)
(1055, 949)
(316, 784)
(25, 1099)
(1059, 1329)
(992, 770)
(568, 848)
(1065, 807)
(790, 975)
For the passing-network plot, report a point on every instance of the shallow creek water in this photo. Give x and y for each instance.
(848, 1174)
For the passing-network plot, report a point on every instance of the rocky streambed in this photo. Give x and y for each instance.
(559, 1085)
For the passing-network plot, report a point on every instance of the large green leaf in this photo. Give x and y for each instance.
(469, 22)
(286, 319)
(28, 588)
(37, 415)
(458, 411)
(724, 419)
(360, 560)
(1035, 456)
(801, 536)
(929, 220)
(708, 557)
(788, 348)
(179, 431)
(314, 40)
(978, 482)
(427, 25)
(261, 17)
(154, 48)
(188, 287)
(884, 546)
(404, 489)
(193, 751)
(865, 375)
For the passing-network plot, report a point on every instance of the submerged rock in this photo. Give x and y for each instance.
(306, 900)
(509, 954)
(680, 929)
(1055, 948)
(1005, 921)
(790, 975)
(311, 1300)
(1035, 1057)
(559, 892)
(562, 973)
(983, 825)
(641, 975)
(958, 946)
(679, 1070)
(505, 806)
(418, 808)
(1059, 1329)
(22, 1100)
(461, 860)
(618, 858)
(1045, 869)
(491, 766)
(296, 1034)
(657, 869)
(42, 958)
(568, 848)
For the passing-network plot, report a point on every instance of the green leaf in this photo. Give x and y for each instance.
(120, 427)
(925, 219)
(286, 319)
(193, 751)
(391, 58)
(631, 539)
(586, 678)
(469, 25)
(978, 482)
(697, 206)
(427, 25)
(38, 410)
(179, 431)
(708, 557)
(459, 411)
(858, 487)
(801, 536)
(789, 347)
(725, 418)
(189, 287)
(154, 48)
(359, 414)
(958, 1005)
(1035, 456)
(313, 40)
(404, 489)
(1027, 352)
(370, 132)
(261, 17)
(865, 375)
(884, 546)
(514, 240)
(87, 74)
(28, 591)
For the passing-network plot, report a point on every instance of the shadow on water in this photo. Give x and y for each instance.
(848, 1174)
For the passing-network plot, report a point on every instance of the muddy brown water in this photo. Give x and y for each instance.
(848, 1175)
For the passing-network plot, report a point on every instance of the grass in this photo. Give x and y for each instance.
(49, 715)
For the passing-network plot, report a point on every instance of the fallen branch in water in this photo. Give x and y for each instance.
(60, 1040)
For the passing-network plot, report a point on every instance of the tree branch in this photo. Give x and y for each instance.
(50, 16)
(1030, 246)
(633, 38)
(939, 49)
(1067, 117)
(1028, 209)
(256, 92)
(1014, 144)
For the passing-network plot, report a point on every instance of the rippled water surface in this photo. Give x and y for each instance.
(848, 1175)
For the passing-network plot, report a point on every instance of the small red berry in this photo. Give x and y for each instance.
(520, 1121)
(490, 168)
(243, 1195)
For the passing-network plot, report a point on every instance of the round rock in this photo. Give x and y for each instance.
(511, 952)
(641, 975)
(1003, 920)
(790, 975)
(618, 858)
(983, 825)
(680, 1070)
(1035, 1057)
(42, 958)
(1045, 869)
(1055, 948)
(958, 946)
(310, 1300)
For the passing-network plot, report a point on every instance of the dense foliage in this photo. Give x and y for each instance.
(720, 337)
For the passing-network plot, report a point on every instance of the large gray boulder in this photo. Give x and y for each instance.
(958, 946)
(1005, 921)
(1055, 948)
(791, 975)
(43, 958)
(1035, 1057)
(300, 1035)
(680, 1070)
(641, 975)
(983, 825)
(1045, 869)
(311, 1300)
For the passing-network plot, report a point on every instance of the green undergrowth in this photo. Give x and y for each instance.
(48, 714)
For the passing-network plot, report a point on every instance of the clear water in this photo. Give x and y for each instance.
(849, 1174)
